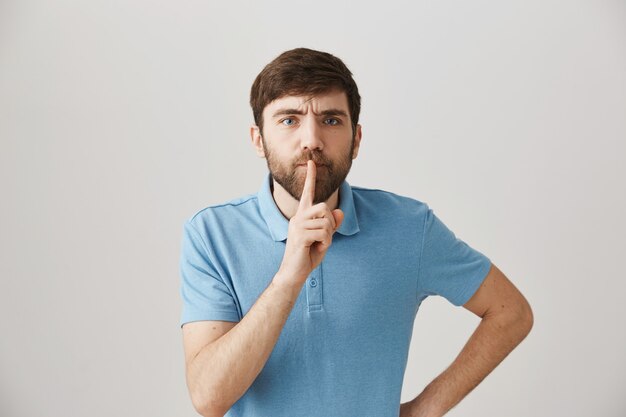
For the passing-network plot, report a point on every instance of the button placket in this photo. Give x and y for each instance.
(314, 289)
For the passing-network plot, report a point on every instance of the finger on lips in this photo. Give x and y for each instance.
(308, 197)
(308, 191)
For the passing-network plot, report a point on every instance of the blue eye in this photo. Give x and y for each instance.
(335, 122)
(287, 124)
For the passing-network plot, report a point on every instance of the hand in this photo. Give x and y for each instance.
(310, 232)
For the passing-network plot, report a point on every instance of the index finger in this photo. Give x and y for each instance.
(308, 192)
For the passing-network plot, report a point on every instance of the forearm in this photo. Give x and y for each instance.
(223, 370)
(494, 338)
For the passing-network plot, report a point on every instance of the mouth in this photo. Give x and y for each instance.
(316, 165)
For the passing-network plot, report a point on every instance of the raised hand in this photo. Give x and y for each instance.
(310, 232)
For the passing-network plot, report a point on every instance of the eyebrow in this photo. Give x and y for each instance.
(327, 112)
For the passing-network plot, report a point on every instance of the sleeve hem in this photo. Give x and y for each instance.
(421, 254)
(221, 315)
(471, 289)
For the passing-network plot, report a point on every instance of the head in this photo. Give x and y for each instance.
(306, 105)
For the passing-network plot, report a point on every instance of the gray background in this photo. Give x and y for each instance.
(120, 119)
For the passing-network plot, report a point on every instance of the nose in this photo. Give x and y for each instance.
(311, 135)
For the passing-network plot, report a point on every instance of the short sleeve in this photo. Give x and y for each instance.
(449, 267)
(205, 295)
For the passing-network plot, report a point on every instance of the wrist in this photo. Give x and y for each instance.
(287, 276)
(424, 405)
(285, 282)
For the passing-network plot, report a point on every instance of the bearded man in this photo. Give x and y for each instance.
(299, 300)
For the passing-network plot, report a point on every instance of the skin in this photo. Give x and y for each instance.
(290, 139)
(223, 358)
(506, 319)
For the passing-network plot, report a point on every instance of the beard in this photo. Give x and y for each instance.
(328, 178)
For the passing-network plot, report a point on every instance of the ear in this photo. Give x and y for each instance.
(257, 141)
(357, 141)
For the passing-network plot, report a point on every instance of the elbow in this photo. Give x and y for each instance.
(517, 320)
(208, 406)
(530, 319)
(526, 318)
(208, 409)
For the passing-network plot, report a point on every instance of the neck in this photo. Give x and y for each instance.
(288, 205)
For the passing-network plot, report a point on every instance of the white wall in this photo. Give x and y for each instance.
(119, 119)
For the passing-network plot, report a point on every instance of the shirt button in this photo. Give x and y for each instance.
(313, 283)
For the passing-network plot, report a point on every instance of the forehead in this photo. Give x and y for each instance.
(330, 100)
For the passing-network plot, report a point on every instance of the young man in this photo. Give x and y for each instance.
(299, 300)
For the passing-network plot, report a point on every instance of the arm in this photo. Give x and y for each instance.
(220, 372)
(224, 359)
(506, 320)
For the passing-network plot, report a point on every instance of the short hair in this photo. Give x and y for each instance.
(303, 71)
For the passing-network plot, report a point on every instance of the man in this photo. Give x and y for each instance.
(300, 300)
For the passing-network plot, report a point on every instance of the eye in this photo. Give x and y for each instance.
(290, 121)
(333, 121)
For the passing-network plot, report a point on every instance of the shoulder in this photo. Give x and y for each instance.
(226, 212)
(377, 199)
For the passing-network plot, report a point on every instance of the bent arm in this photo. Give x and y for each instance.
(506, 320)
(222, 371)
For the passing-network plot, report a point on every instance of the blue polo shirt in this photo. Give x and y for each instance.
(343, 350)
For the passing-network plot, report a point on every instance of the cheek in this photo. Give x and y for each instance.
(282, 158)
(340, 151)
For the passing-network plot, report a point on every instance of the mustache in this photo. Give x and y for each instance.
(317, 158)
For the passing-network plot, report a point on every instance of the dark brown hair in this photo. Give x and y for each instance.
(307, 72)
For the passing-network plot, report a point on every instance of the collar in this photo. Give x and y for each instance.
(279, 225)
